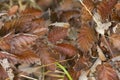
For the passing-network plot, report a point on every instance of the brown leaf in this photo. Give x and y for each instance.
(106, 72)
(66, 49)
(3, 74)
(21, 41)
(68, 14)
(57, 33)
(38, 27)
(85, 16)
(115, 40)
(45, 55)
(81, 63)
(12, 58)
(86, 38)
(13, 10)
(105, 7)
(17, 42)
(16, 25)
(27, 56)
(32, 12)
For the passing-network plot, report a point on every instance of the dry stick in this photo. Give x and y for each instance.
(98, 24)
(28, 77)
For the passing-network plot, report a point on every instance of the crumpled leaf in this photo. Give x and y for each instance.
(106, 72)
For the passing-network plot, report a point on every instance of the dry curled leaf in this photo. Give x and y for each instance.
(86, 38)
(105, 7)
(57, 33)
(106, 72)
(115, 40)
(66, 49)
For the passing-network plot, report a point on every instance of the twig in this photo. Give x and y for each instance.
(28, 77)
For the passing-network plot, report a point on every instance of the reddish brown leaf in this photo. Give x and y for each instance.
(57, 33)
(66, 49)
(17, 42)
(15, 25)
(13, 10)
(115, 40)
(47, 60)
(21, 41)
(3, 74)
(105, 7)
(32, 12)
(68, 14)
(74, 74)
(86, 38)
(85, 16)
(5, 42)
(106, 72)
(12, 58)
(45, 55)
(38, 27)
(27, 56)
(81, 64)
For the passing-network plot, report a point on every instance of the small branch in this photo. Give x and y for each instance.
(28, 77)
(5, 64)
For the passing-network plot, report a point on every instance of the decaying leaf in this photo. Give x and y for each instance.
(27, 56)
(115, 40)
(86, 38)
(5, 55)
(106, 72)
(45, 56)
(105, 7)
(58, 33)
(66, 49)
(85, 16)
(81, 64)
(17, 42)
(3, 74)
